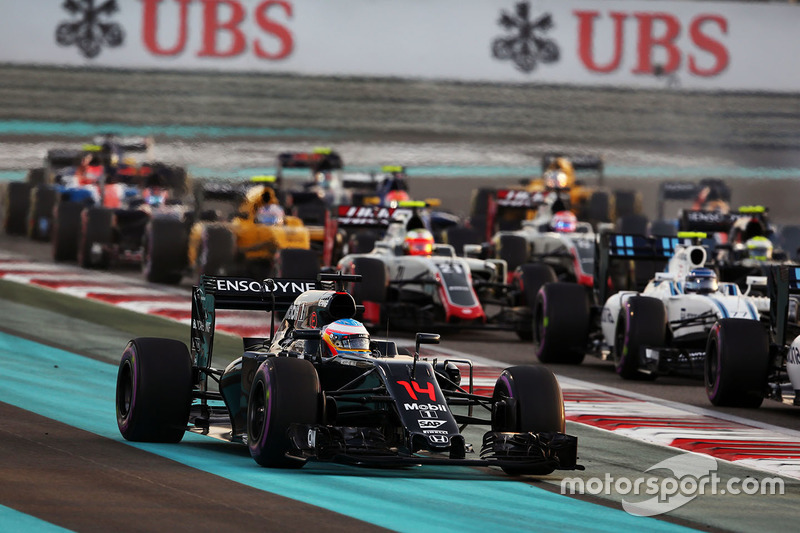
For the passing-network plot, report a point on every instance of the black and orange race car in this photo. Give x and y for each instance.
(320, 389)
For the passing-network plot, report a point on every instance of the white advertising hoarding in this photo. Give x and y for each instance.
(650, 43)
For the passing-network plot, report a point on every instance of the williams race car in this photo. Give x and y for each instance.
(321, 390)
(662, 329)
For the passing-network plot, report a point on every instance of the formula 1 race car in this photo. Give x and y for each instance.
(258, 239)
(412, 282)
(321, 390)
(746, 362)
(664, 328)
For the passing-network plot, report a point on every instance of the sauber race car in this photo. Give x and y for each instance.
(746, 362)
(413, 282)
(662, 329)
(321, 390)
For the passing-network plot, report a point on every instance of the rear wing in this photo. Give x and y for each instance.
(782, 282)
(126, 143)
(352, 216)
(706, 221)
(630, 247)
(317, 160)
(521, 199)
(579, 162)
(688, 190)
(222, 292)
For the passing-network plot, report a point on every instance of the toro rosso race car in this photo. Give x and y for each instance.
(321, 390)
(662, 329)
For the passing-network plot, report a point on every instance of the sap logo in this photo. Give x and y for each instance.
(793, 357)
(430, 424)
(424, 407)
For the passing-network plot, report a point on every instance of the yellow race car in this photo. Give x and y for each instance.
(258, 240)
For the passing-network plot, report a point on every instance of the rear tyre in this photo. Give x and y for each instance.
(642, 323)
(627, 203)
(374, 280)
(561, 323)
(97, 236)
(528, 398)
(514, 250)
(16, 204)
(217, 251)
(40, 218)
(66, 231)
(737, 363)
(297, 263)
(600, 207)
(285, 391)
(532, 277)
(165, 250)
(362, 242)
(154, 390)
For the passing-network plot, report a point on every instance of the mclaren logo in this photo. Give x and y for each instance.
(524, 42)
(90, 28)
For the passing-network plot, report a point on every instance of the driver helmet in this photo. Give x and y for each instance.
(155, 196)
(564, 222)
(418, 242)
(270, 214)
(346, 336)
(555, 179)
(701, 281)
(396, 196)
(759, 248)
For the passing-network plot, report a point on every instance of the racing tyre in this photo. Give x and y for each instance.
(632, 223)
(217, 251)
(362, 242)
(532, 276)
(642, 323)
(285, 391)
(374, 280)
(154, 390)
(40, 214)
(66, 231)
(528, 398)
(514, 249)
(97, 230)
(627, 203)
(165, 250)
(561, 323)
(737, 363)
(600, 207)
(458, 236)
(16, 203)
(297, 263)
(36, 176)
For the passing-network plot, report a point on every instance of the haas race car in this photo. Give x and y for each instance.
(320, 389)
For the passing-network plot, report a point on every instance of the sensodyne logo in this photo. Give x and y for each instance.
(90, 28)
(524, 43)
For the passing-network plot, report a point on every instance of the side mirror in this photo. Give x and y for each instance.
(307, 334)
(422, 338)
(473, 250)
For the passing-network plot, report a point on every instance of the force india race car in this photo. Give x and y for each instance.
(435, 288)
(662, 329)
(291, 402)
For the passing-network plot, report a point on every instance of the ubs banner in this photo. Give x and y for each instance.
(650, 43)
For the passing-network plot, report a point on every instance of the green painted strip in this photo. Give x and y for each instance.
(86, 129)
(80, 392)
(13, 521)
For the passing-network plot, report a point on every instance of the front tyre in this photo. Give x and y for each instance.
(737, 363)
(154, 390)
(285, 391)
(527, 398)
(642, 324)
(561, 323)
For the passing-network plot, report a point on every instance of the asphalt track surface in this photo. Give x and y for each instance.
(378, 122)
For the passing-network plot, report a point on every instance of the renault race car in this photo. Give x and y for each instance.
(661, 329)
(746, 362)
(320, 390)
(257, 239)
(413, 282)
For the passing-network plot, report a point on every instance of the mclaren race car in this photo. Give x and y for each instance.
(321, 390)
